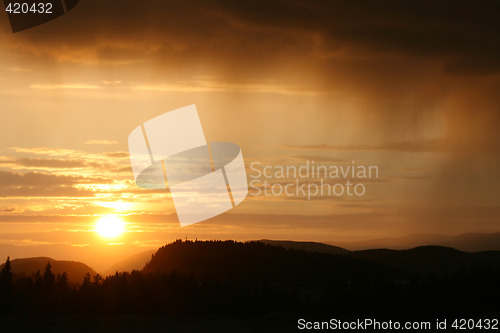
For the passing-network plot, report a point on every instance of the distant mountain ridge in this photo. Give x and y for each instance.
(268, 261)
(421, 259)
(468, 242)
(28, 266)
(99, 256)
(135, 262)
(431, 259)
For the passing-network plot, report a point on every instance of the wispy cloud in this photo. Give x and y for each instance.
(215, 86)
(48, 163)
(82, 86)
(47, 151)
(20, 70)
(101, 142)
(68, 182)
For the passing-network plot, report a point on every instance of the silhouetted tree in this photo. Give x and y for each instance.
(97, 280)
(6, 287)
(86, 281)
(48, 277)
(38, 279)
(6, 275)
(62, 280)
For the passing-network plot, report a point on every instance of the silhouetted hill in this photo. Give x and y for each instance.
(431, 259)
(470, 242)
(270, 260)
(256, 261)
(29, 266)
(99, 256)
(135, 262)
(474, 242)
(306, 246)
(424, 259)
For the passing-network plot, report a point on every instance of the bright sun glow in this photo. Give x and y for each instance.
(110, 226)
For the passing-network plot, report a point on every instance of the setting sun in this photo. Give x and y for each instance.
(110, 226)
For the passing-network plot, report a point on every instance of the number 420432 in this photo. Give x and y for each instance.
(26, 8)
(478, 324)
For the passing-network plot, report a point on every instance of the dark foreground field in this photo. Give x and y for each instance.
(151, 324)
(275, 322)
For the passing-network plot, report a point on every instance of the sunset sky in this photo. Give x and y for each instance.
(411, 87)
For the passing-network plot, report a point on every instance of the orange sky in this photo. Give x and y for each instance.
(412, 91)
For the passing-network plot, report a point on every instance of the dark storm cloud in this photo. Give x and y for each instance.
(462, 35)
